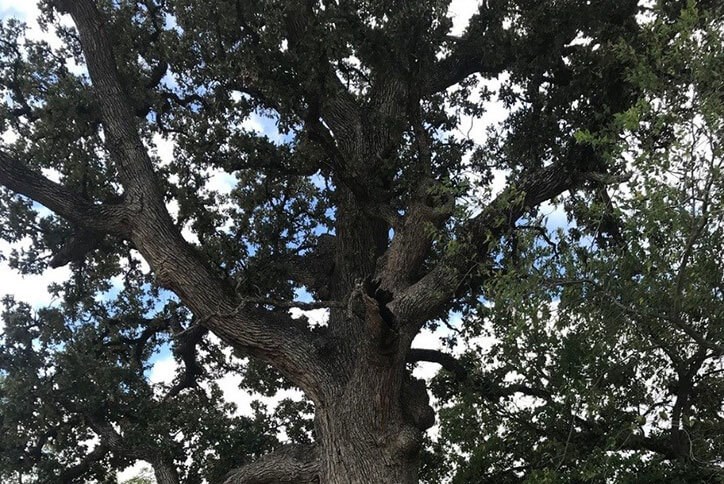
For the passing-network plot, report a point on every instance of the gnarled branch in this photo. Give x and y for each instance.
(298, 464)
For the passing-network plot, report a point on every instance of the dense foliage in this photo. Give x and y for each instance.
(321, 160)
(613, 342)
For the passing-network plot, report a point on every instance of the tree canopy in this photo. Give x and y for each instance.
(541, 188)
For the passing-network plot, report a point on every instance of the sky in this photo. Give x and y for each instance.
(33, 288)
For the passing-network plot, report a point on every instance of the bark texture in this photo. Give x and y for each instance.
(291, 464)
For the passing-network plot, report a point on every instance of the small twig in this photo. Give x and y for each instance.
(568, 441)
(543, 234)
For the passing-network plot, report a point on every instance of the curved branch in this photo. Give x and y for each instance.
(297, 464)
(105, 218)
(447, 361)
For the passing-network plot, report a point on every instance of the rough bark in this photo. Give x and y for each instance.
(290, 464)
(372, 431)
(164, 471)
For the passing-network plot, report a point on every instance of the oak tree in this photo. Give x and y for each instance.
(367, 202)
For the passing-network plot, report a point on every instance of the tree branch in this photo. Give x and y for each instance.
(73, 474)
(111, 440)
(177, 265)
(106, 218)
(447, 361)
(490, 388)
(426, 297)
(297, 464)
(186, 349)
(118, 114)
(327, 96)
(483, 48)
(165, 471)
(430, 207)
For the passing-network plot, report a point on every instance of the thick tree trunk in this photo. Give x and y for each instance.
(368, 430)
(355, 450)
(352, 452)
(371, 431)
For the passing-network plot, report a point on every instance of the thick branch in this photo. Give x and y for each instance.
(297, 464)
(19, 178)
(447, 361)
(402, 261)
(176, 264)
(118, 114)
(165, 471)
(428, 210)
(429, 294)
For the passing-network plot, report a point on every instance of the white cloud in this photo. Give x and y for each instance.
(28, 12)
(432, 340)
(9, 136)
(254, 123)
(220, 181)
(163, 371)
(163, 146)
(24, 10)
(316, 317)
(30, 288)
(51, 174)
(189, 235)
(229, 385)
(461, 11)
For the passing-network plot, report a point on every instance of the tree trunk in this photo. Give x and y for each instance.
(368, 430)
(372, 430)
(165, 472)
(355, 450)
